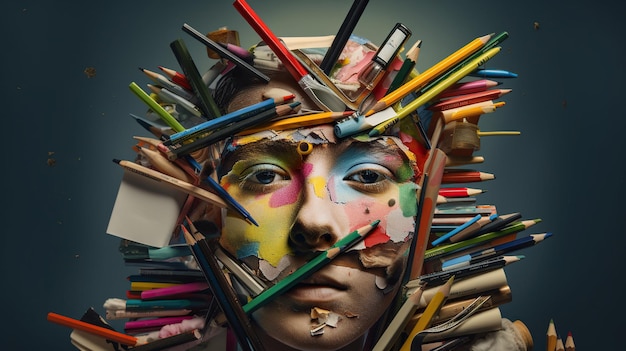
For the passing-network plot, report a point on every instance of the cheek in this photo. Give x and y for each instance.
(268, 241)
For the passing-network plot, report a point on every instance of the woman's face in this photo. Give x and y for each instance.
(307, 196)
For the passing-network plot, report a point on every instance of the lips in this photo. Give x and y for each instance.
(318, 288)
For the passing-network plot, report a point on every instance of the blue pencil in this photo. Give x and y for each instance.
(456, 230)
(497, 250)
(493, 73)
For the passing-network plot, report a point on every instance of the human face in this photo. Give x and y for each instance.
(304, 202)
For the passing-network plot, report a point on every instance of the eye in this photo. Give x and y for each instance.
(371, 178)
(263, 178)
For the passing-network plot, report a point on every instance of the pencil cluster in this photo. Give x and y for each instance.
(188, 284)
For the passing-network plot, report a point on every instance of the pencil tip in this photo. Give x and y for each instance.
(117, 160)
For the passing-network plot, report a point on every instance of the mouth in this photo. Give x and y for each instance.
(317, 289)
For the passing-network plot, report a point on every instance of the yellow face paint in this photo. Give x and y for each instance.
(319, 185)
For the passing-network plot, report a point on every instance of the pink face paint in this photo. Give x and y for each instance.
(287, 195)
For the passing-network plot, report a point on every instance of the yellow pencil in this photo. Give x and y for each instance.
(430, 312)
(436, 89)
(428, 75)
(299, 121)
(551, 337)
(469, 111)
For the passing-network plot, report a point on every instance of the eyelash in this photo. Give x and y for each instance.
(379, 185)
(249, 179)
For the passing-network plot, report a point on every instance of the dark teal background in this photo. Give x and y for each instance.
(565, 168)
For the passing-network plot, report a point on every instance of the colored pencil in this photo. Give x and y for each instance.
(165, 116)
(451, 176)
(174, 340)
(407, 66)
(399, 322)
(433, 307)
(443, 250)
(493, 73)
(428, 95)
(106, 333)
(206, 102)
(569, 342)
(472, 230)
(481, 255)
(299, 121)
(551, 336)
(174, 290)
(463, 88)
(500, 222)
(176, 77)
(439, 277)
(323, 96)
(423, 78)
(459, 191)
(177, 150)
(468, 99)
(223, 293)
(448, 235)
(310, 267)
(468, 111)
(231, 117)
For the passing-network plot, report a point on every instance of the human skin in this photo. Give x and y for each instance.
(303, 203)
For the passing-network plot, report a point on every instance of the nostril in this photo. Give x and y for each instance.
(299, 238)
(327, 238)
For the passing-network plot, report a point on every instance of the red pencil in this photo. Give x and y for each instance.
(459, 192)
(176, 77)
(464, 176)
(93, 329)
(468, 99)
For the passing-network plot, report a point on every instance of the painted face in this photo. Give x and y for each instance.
(307, 190)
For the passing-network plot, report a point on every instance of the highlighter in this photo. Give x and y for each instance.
(373, 71)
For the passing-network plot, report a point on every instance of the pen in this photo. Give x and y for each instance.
(435, 90)
(166, 116)
(222, 52)
(309, 268)
(493, 73)
(325, 98)
(342, 36)
(476, 256)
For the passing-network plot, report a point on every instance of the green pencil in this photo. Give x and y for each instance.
(309, 268)
(446, 249)
(165, 116)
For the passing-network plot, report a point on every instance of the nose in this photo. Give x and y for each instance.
(319, 222)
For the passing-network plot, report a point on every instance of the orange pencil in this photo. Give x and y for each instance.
(551, 336)
(91, 328)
